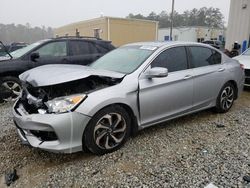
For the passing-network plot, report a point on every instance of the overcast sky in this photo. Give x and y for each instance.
(56, 13)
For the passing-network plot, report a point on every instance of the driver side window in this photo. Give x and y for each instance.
(174, 59)
(53, 49)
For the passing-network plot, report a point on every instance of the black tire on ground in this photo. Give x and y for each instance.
(7, 94)
(107, 124)
(225, 98)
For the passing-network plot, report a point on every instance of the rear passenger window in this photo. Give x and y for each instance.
(93, 48)
(201, 56)
(79, 48)
(216, 57)
(101, 49)
(174, 59)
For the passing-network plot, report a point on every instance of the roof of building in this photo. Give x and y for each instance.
(192, 27)
(109, 17)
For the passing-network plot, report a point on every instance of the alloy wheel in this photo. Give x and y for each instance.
(110, 131)
(15, 89)
(227, 98)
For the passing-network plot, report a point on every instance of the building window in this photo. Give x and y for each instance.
(200, 39)
(166, 38)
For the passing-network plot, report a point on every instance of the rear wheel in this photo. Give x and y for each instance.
(107, 131)
(226, 98)
(13, 88)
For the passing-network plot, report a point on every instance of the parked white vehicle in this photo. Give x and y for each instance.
(244, 59)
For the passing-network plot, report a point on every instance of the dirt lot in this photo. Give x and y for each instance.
(192, 151)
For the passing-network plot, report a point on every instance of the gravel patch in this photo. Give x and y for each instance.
(191, 151)
(5, 118)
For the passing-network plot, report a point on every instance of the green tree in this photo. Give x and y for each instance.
(23, 33)
(210, 17)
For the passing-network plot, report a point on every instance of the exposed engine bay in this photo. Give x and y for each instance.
(34, 99)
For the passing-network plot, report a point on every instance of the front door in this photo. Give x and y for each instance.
(52, 53)
(163, 98)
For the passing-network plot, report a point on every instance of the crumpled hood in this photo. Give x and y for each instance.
(56, 74)
(245, 60)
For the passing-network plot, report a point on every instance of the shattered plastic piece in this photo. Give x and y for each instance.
(210, 185)
(205, 152)
(219, 125)
(11, 177)
(246, 178)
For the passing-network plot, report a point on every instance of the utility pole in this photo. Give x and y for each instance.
(172, 21)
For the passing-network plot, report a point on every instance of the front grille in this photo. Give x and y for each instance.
(247, 72)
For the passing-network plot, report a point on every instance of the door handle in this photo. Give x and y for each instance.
(221, 69)
(187, 77)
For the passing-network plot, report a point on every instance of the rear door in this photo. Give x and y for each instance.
(98, 50)
(208, 74)
(161, 98)
(81, 52)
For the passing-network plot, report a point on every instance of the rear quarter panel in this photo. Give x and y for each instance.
(235, 73)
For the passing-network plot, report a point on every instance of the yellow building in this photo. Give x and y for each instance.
(118, 30)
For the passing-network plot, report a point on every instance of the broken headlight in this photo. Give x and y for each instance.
(65, 104)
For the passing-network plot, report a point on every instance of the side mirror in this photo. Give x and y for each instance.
(156, 72)
(34, 56)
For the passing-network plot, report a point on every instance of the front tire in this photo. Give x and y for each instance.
(226, 98)
(108, 130)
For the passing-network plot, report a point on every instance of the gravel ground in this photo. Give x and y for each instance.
(192, 151)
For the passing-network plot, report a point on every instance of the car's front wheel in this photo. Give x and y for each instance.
(108, 130)
(226, 98)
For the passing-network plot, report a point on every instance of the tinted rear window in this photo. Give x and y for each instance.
(79, 48)
(202, 56)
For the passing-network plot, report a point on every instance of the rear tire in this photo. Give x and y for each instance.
(226, 98)
(108, 130)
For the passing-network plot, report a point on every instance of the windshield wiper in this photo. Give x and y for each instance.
(5, 49)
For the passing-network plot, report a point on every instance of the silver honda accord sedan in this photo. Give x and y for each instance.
(70, 108)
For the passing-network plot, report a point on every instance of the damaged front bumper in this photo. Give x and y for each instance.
(60, 133)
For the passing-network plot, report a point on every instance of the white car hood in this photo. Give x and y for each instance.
(57, 74)
(244, 60)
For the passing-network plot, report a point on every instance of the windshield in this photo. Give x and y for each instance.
(22, 51)
(125, 59)
(247, 52)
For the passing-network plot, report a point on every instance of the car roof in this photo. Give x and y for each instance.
(159, 44)
(85, 38)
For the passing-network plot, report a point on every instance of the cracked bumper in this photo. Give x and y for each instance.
(68, 129)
